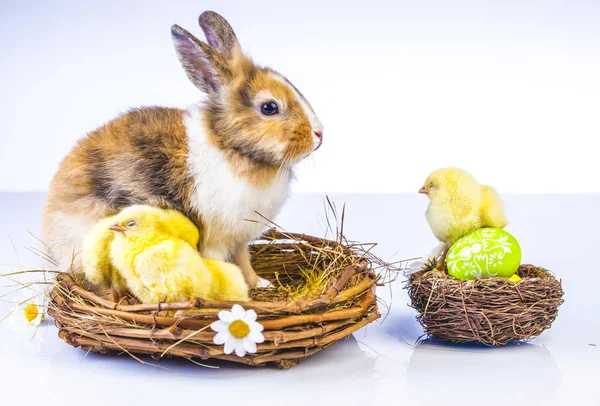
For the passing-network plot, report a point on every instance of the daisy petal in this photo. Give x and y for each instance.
(229, 346)
(222, 337)
(225, 316)
(220, 325)
(37, 321)
(254, 326)
(256, 336)
(239, 348)
(250, 316)
(237, 311)
(249, 345)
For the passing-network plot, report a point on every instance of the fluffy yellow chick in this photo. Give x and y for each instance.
(95, 256)
(159, 266)
(95, 259)
(460, 205)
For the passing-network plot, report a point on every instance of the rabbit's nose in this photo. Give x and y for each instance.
(319, 134)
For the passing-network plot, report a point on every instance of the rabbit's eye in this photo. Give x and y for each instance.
(269, 108)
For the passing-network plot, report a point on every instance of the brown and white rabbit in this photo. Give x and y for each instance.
(219, 162)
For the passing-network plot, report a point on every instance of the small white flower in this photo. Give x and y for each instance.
(424, 262)
(238, 330)
(26, 317)
(416, 266)
(29, 309)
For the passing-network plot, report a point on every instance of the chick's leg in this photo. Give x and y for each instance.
(117, 294)
(441, 263)
(242, 259)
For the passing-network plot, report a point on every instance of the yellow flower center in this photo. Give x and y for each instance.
(31, 312)
(239, 329)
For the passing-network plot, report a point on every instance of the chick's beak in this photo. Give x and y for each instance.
(423, 191)
(117, 228)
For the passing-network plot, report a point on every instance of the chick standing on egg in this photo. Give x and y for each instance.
(459, 205)
(159, 266)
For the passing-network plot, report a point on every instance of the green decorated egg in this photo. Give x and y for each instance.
(483, 253)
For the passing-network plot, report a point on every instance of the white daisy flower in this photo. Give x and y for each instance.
(416, 266)
(423, 263)
(238, 330)
(25, 318)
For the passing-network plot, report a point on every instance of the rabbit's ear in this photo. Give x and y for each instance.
(219, 33)
(206, 68)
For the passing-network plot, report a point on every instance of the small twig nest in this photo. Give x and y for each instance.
(491, 311)
(324, 291)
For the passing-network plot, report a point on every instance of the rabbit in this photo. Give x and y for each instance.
(221, 162)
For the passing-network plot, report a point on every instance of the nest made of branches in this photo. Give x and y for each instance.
(490, 311)
(323, 291)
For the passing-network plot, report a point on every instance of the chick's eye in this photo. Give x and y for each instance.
(431, 184)
(131, 223)
(269, 108)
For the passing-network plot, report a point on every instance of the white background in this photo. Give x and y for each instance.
(508, 89)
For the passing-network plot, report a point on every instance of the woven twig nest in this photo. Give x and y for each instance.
(491, 311)
(324, 291)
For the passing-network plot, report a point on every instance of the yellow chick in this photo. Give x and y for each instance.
(95, 259)
(159, 266)
(95, 256)
(460, 205)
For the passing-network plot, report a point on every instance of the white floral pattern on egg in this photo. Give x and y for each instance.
(486, 252)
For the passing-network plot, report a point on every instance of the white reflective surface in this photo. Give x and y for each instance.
(379, 365)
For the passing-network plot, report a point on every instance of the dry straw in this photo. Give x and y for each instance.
(324, 290)
(491, 311)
